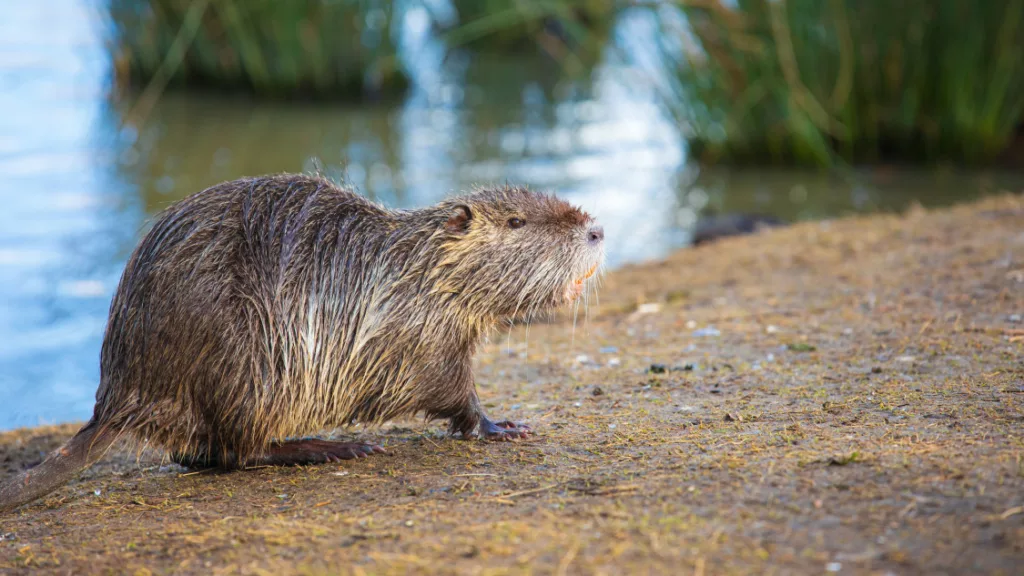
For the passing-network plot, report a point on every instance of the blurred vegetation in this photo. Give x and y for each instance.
(790, 82)
(274, 48)
(570, 31)
(813, 82)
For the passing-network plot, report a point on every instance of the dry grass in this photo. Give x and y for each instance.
(895, 444)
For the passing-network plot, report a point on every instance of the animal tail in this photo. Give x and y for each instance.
(85, 448)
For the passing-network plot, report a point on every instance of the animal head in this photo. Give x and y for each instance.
(512, 253)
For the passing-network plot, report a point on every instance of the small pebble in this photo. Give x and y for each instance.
(582, 359)
(1015, 318)
(657, 369)
(709, 331)
(770, 357)
(905, 359)
(611, 426)
(8, 537)
(649, 308)
(690, 325)
(771, 329)
(515, 407)
(97, 492)
(597, 391)
(577, 404)
(342, 473)
(614, 362)
(409, 523)
(609, 350)
(833, 567)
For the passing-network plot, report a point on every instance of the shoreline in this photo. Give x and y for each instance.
(841, 393)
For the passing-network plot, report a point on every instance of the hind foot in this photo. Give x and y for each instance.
(504, 430)
(315, 451)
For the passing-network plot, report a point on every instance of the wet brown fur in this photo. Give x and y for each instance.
(269, 308)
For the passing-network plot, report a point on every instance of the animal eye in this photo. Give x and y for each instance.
(516, 223)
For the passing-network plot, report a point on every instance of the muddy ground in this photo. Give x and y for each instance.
(841, 397)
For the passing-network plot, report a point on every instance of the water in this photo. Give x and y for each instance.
(76, 186)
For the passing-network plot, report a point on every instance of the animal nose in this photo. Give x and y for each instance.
(595, 235)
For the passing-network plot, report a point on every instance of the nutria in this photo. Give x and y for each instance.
(263, 310)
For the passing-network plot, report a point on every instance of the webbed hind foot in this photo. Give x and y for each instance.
(287, 453)
(315, 451)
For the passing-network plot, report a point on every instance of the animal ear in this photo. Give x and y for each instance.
(458, 219)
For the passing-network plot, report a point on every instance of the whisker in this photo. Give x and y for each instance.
(586, 303)
(575, 312)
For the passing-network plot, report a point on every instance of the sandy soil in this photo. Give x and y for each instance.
(844, 396)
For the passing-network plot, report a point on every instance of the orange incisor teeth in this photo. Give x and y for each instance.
(579, 281)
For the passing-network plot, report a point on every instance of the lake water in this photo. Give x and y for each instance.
(76, 185)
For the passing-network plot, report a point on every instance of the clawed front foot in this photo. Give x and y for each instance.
(503, 431)
(471, 421)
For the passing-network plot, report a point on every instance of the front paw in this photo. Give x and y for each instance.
(503, 431)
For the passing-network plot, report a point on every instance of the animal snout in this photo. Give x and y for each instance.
(595, 235)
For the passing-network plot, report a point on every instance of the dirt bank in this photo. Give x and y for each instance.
(844, 396)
